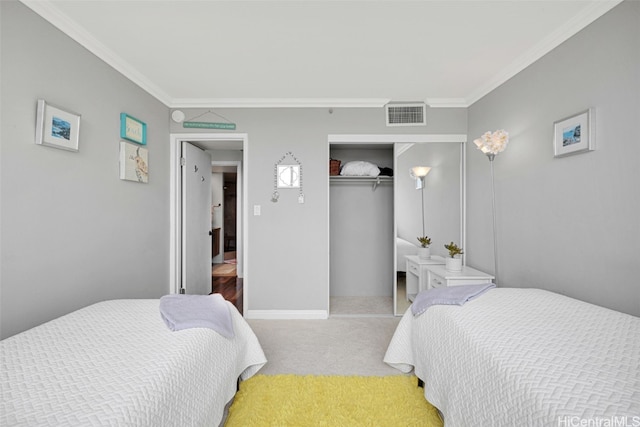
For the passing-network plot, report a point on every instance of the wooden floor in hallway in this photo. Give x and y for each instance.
(225, 280)
(230, 288)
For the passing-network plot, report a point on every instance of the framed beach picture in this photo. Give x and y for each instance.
(133, 129)
(134, 162)
(56, 127)
(575, 134)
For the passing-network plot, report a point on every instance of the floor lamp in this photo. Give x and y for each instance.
(418, 173)
(492, 144)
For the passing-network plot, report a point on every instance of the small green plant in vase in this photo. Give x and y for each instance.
(424, 241)
(453, 249)
(452, 263)
(424, 252)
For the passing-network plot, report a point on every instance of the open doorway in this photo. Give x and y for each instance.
(226, 277)
(228, 150)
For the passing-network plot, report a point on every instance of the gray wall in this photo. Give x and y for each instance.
(72, 232)
(571, 225)
(289, 243)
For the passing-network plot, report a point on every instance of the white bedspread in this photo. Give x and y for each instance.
(524, 357)
(116, 363)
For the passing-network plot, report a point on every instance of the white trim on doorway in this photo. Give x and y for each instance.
(204, 140)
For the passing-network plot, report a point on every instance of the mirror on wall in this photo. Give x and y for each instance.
(437, 206)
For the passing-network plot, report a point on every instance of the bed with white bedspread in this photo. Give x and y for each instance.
(117, 363)
(524, 357)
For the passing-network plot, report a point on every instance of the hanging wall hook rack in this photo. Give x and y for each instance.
(192, 123)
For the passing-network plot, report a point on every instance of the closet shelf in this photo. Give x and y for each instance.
(375, 180)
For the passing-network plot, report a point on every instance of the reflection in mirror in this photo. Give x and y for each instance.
(441, 203)
(288, 176)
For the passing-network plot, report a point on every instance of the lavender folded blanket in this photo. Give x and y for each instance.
(197, 311)
(448, 295)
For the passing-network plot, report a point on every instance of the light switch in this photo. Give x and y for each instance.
(256, 210)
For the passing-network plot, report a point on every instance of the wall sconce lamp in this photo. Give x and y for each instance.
(419, 173)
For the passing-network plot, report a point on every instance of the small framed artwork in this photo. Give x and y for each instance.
(133, 129)
(288, 176)
(575, 134)
(56, 127)
(134, 162)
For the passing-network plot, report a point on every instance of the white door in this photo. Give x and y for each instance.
(196, 220)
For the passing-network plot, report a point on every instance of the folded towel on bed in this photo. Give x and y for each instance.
(197, 311)
(448, 295)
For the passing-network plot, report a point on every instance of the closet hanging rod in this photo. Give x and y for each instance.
(341, 178)
(375, 180)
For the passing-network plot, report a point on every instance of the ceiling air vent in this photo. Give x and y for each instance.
(406, 114)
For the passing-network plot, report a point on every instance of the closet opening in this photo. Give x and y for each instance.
(361, 231)
(371, 238)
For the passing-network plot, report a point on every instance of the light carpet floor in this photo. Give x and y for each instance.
(361, 306)
(300, 401)
(371, 306)
(336, 346)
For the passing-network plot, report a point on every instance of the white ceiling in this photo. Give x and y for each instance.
(324, 53)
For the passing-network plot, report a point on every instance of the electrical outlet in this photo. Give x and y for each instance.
(256, 210)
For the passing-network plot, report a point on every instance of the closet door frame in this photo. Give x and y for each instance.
(372, 139)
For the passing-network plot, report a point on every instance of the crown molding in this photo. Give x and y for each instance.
(280, 103)
(401, 147)
(553, 40)
(47, 10)
(447, 103)
(307, 103)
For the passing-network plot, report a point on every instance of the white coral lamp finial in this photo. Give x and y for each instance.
(492, 143)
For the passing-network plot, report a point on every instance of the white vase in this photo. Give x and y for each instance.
(424, 253)
(453, 264)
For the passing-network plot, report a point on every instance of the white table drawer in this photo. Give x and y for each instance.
(440, 277)
(413, 268)
(417, 275)
(437, 281)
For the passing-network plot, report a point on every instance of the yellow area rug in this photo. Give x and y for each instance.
(332, 401)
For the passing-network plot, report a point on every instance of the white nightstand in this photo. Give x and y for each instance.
(439, 277)
(417, 275)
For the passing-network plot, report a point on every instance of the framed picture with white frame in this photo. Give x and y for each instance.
(574, 134)
(56, 127)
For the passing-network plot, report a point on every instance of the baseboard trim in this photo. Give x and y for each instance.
(286, 314)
